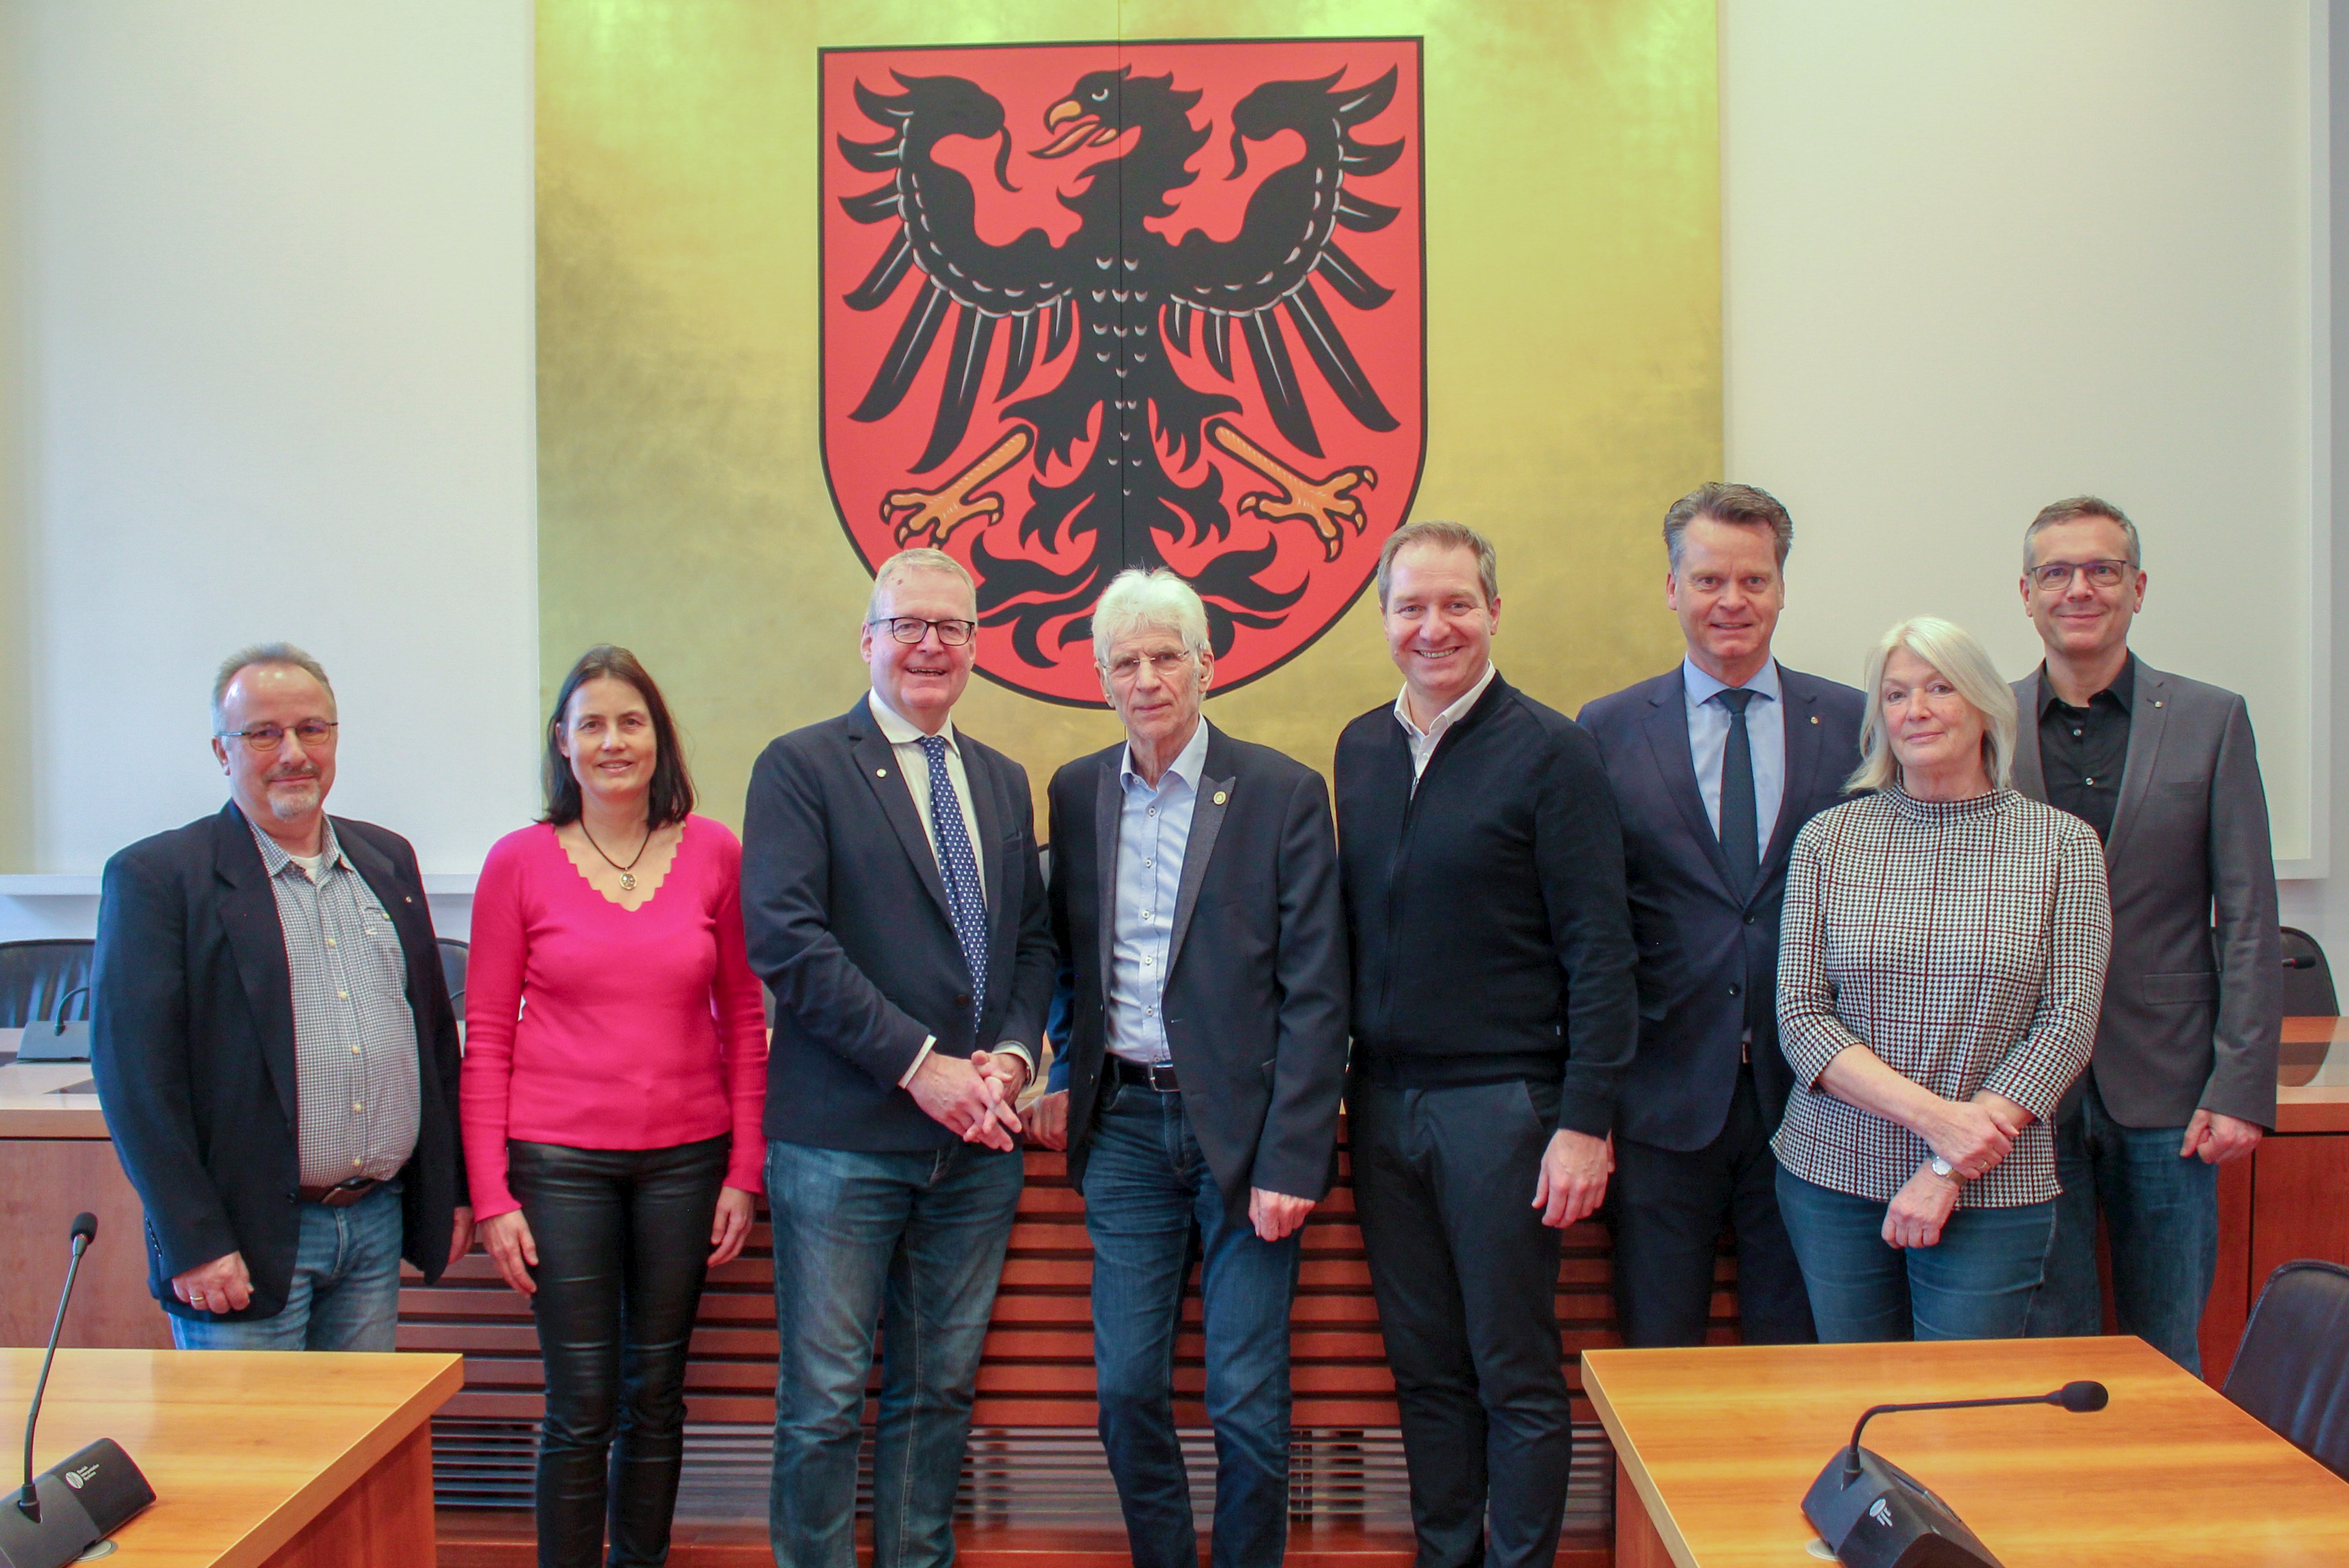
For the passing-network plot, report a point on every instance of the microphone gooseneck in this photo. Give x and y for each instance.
(85, 1231)
(2079, 1397)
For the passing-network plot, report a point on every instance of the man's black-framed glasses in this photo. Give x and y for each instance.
(312, 733)
(912, 629)
(2058, 574)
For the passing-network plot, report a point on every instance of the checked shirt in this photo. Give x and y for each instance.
(1964, 942)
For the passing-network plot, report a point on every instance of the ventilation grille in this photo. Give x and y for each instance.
(1017, 1477)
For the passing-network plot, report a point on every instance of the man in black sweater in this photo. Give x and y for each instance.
(1495, 1011)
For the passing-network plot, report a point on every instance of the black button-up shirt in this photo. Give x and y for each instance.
(2082, 751)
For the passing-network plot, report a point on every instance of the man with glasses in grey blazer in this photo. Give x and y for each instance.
(2184, 1074)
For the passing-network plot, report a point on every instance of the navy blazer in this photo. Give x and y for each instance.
(847, 923)
(1257, 987)
(192, 1042)
(1702, 946)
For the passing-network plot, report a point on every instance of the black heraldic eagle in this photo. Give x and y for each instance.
(1116, 298)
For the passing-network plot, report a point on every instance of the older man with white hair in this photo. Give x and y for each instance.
(1195, 898)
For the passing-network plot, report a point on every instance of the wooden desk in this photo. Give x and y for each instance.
(1716, 1447)
(256, 1457)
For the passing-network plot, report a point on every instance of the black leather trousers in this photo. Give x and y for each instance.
(623, 1241)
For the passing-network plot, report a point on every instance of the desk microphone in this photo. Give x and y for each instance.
(72, 1506)
(1877, 1515)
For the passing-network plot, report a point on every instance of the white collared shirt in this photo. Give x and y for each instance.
(1424, 742)
(914, 767)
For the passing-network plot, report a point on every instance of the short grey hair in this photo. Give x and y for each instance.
(1155, 600)
(243, 659)
(1952, 650)
(2076, 508)
(1443, 536)
(1743, 505)
(905, 563)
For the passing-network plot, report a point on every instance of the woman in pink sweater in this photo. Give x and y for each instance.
(615, 1073)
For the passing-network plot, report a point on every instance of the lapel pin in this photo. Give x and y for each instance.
(1815, 719)
(880, 773)
(1222, 796)
(2157, 702)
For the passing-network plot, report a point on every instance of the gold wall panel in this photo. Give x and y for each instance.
(1574, 378)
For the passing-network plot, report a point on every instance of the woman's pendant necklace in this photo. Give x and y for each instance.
(627, 872)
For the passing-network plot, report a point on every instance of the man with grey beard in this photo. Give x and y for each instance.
(274, 1043)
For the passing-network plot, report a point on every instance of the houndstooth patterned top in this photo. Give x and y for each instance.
(1964, 942)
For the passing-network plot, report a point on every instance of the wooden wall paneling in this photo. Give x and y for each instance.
(2299, 1206)
(43, 1182)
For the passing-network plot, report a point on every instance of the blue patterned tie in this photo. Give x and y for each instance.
(960, 870)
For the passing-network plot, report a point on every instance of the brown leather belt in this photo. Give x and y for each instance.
(343, 1195)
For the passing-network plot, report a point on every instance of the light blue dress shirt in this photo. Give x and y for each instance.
(1153, 828)
(1765, 728)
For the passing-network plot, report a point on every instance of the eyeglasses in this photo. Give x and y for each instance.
(313, 733)
(2058, 574)
(1163, 665)
(912, 629)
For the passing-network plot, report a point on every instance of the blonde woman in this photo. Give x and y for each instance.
(1939, 976)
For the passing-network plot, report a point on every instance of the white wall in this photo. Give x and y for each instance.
(1982, 256)
(277, 297)
(277, 318)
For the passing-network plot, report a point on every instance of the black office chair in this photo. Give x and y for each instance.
(453, 955)
(2291, 1370)
(2307, 978)
(36, 977)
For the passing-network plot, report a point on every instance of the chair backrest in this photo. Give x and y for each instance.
(453, 955)
(2307, 978)
(35, 976)
(2293, 1368)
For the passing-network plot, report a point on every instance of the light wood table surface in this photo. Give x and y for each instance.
(1716, 1447)
(259, 1459)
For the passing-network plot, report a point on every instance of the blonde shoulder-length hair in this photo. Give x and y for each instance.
(1950, 649)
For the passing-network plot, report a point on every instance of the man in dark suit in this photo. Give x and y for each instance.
(2184, 1074)
(273, 1042)
(1194, 899)
(1716, 765)
(1494, 1014)
(892, 900)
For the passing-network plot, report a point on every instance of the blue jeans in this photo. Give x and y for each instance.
(346, 1290)
(1977, 1283)
(1146, 1188)
(911, 1242)
(2162, 1214)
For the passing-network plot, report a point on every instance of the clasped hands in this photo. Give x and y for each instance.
(1970, 1136)
(973, 1097)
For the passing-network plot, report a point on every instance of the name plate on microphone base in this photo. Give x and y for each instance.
(83, 1500)
(1887, 1517)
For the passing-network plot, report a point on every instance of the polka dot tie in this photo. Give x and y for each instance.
(959, 870)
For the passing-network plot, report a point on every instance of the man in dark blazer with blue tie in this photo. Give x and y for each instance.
(1716, 765)
(1195, 898)
(892, 900)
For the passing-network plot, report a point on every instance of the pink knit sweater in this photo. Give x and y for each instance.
(596, 1027)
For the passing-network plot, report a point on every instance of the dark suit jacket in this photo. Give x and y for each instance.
(2192, 1016)
(1701, 948)
(1256, 978)
(192, 1042)
(847, 923)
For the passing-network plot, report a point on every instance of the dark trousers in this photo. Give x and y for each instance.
(623, 1241)
(1147, 1189)
(1466, 1279)
(1666, 1208)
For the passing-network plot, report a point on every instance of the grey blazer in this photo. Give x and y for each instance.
(2192, 1013)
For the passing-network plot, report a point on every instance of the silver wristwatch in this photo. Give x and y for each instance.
(1942, 1168)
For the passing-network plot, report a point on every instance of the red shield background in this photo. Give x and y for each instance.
(867, 460)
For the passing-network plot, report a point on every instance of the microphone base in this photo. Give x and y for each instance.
(84, 1500)
(1887, 1517)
